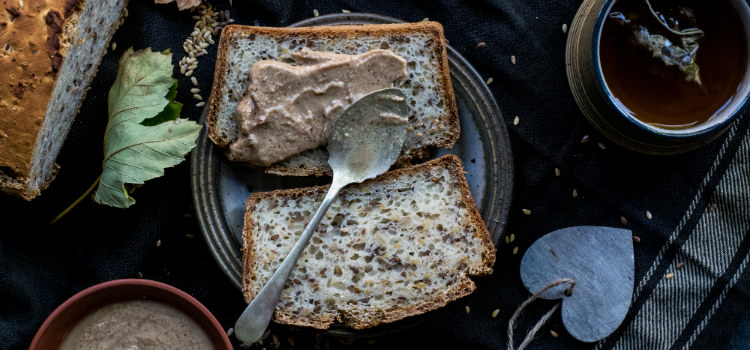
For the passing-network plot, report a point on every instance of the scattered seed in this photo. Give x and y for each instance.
(513, 59)
(139, 274)
(231, 20)
(468, 310)
(230, 331)
(495, 312)
(481, 45)
(575, 193)
(636, 239)
(372, 341)
(290, 341)
(623, 220)
(490, 80)
(516, 120)
(194, 80)
(554, 334)
(189, 235)
(669, 275)
(602, 146)
(275, 339)
(183, 68)
(346, 11)
(189, 72)
(565, 27)
(197, 97)
(114, 46)
(507, 240)
(158, 243)
(512, 237)
(316, 13)
(195, 90)
(200, 104)
(712, 207)
(515, 250)
(425, 19)
(585, 138)
(526, 211)
(680, 265)
(648, 215)
(557, 172)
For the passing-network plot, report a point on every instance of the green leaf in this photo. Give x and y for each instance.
(144, 135)
(170, 112)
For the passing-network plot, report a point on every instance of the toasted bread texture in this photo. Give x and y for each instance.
(433, 118)
(52, 50)
(399, 245)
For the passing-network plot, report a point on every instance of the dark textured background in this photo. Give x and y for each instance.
(41, 265)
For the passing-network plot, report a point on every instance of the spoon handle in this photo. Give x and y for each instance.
(254, 320)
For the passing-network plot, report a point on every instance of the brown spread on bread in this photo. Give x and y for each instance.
(34, 35)
(289, 108)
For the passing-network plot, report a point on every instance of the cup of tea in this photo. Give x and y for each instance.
(660, 76)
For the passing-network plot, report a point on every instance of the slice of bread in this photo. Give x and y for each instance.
(52, 51)
(434, 118)
(399, 245)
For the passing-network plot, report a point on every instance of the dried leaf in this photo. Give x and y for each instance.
(144, 135)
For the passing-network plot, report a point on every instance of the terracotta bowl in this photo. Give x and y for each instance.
(57, 326)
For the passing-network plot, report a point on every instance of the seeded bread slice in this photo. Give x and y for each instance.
(51, 53)
(434, 118)
(400, 245)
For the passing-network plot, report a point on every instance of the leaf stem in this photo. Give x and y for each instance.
(70, 207)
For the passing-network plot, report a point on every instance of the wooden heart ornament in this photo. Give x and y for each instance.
(600, 260)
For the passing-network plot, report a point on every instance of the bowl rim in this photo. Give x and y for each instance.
(674, 134)
(119, 283)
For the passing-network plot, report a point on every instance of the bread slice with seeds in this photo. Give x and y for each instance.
(434, 117)
(399, 245)
(51, 53)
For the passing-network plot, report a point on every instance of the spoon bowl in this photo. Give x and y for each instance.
(363, 143)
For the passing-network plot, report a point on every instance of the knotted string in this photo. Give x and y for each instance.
(532, 333)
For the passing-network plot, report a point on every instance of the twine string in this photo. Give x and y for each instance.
(532, 333)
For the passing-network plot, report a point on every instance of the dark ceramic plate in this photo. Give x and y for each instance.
(220, 188)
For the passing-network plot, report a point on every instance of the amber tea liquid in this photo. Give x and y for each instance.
(673, 103)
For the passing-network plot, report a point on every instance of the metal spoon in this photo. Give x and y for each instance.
(363, 143)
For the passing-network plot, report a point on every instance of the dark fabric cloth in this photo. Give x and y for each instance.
(42, 265)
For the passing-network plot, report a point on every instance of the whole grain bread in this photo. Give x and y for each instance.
(399, 245)
(51, 53)
(434, 117)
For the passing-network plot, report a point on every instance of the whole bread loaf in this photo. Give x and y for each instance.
(51, 51)
(434, 117)
(399, 245)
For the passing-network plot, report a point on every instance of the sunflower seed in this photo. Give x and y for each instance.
(602, 146)
(636, 239)
(515, 250)
(195, 90)
(200, 104)
(345, 11)
(316, 13)
(481, 45)
(623, 220)
(189, 73)
(565, 28)
(648, 215)
(195, 81)
(669, 275)
(512, 237)
(114, 46)
(554, 334)
(513, 59)
(575, 193)
(526, 211)
(585, 138)
(516, 120)
(679, 266)
(557, 172)
(158, 243)
(490, 80)
(495, 312)
(467, 309)
(197, 97)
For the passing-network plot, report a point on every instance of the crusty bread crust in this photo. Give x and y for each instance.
(434, 29)
(462, 288)
(25, 176)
